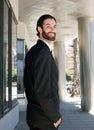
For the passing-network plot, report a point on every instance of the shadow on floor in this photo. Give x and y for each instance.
(22, 125)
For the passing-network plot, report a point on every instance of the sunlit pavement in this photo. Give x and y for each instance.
(72, 116)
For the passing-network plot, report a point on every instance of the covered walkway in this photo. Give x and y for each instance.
(73, 117)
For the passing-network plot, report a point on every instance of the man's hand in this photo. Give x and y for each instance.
(56, 124)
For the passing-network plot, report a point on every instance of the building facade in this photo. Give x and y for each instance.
(9, 111)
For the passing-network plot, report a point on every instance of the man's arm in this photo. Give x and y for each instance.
(42, 87)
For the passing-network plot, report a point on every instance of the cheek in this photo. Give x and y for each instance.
(55, 30)
(45, 30)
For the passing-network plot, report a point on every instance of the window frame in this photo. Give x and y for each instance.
(11, 103)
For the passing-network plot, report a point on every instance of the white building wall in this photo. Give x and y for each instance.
(22, 32)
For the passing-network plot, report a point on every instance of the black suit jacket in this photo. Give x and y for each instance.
(41, 87)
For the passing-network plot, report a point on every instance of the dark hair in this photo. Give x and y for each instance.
(41, 20)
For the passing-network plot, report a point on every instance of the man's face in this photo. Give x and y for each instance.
(49, 30)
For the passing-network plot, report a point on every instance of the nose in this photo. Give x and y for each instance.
(53, 29)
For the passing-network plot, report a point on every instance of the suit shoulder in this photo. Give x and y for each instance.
(39, 49)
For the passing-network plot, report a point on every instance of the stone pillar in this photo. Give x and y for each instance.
(86, 44)
(91, 45)
(59, 50)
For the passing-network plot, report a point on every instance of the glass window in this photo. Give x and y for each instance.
(8, 57)
(20, 66)
(14, 60)
(5, 72)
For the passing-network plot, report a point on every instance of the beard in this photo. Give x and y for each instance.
(48, 36)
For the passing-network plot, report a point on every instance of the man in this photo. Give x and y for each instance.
(41, 79)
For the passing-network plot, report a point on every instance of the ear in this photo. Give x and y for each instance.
(39, 29)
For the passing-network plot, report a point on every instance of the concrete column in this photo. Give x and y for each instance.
(86, 44)
(59, 50)
(91, 45)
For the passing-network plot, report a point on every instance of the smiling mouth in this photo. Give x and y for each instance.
(53, 34)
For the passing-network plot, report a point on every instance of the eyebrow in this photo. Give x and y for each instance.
(48, 24)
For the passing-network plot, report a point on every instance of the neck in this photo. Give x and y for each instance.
(46, 40)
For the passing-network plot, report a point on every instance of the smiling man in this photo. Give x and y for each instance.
(41, 79)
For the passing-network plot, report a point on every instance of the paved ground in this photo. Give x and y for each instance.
(73, 117)
(22, 125)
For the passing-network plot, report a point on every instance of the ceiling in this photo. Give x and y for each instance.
(66, 12)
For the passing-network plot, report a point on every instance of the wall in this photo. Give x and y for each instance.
(22, 32)
(15, 6)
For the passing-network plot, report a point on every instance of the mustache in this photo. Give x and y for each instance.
(52, 33)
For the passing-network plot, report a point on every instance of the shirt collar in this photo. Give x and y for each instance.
(49, 46)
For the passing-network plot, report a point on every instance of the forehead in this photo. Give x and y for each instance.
(49, 21)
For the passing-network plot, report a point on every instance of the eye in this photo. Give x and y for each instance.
(48, 27)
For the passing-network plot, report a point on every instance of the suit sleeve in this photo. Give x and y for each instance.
(42, 87)
(27, 77)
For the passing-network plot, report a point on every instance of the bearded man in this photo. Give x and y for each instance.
(41, 79)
